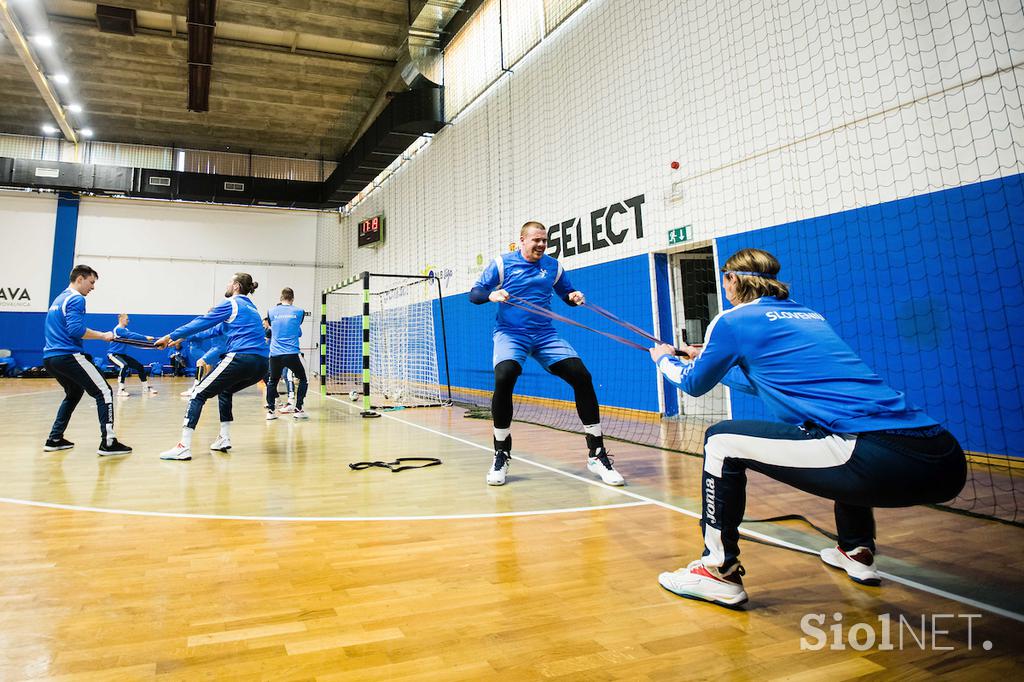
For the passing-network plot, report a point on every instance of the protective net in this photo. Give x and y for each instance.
(401, 349)
(876, 147)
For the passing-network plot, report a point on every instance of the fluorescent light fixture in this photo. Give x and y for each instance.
(86, 132)
(61, 78)
(42, 40)
(49, 129)
(75, 108)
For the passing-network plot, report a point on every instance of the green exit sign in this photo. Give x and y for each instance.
(678, 235)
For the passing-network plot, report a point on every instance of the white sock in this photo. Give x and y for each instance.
(593, 429)
(186, 437)
(225, 430)
(501, 434)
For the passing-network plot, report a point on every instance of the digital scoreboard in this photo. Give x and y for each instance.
(371, 231)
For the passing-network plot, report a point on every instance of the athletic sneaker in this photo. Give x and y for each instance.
(287, 409)
(300, 414)
(859, 564)
(53, 444)
(600, 463)
(496, 476)
(115, 448)
(271, 415)
(123, 393)
(179, 452)
(222, 444)
(697, 581)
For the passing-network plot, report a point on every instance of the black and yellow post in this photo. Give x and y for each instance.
(367, 408)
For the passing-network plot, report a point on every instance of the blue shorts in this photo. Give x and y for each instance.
(545, 347)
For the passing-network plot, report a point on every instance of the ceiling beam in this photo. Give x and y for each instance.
(17, 40)
(201, 22)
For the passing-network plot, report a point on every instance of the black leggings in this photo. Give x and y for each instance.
(125, 364)
(571, 370)
(277, 365)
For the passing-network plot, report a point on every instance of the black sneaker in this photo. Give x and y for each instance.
(53, 444)
(115, 448)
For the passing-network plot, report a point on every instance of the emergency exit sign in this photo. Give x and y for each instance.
(678, 235)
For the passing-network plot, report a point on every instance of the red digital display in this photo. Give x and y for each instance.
(371, 231)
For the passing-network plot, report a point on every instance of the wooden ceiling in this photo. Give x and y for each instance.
(289, 77)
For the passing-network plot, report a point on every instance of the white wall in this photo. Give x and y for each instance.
(776, 111)
(174, 258)
(26, 249)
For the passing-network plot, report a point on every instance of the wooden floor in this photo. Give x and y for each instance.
(277, 562)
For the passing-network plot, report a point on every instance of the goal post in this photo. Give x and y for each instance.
(379, 342)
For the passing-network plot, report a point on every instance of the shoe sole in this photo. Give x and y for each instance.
(50, 448)
(104, 453)
(220, 449)
(176, 459)
(717, 602)
(869, 582)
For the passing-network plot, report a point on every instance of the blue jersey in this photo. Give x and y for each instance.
(241, 320)
(791, 358)
(286, 328)
(216, 340)
(533, 282)
(65, 324)
(124, 333)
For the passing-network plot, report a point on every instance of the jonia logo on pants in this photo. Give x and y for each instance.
(607, 226)
(14, 296)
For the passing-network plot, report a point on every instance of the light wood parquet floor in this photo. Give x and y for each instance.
(138, 569)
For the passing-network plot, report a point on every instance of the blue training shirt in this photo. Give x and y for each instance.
(790, 357)
(121, 332)
(533, 282)
(286, 328)
(216, 339)
(242, 321)
(65, 324)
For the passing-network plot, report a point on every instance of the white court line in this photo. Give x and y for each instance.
(442, 517)
(913, 584)
(21, 395)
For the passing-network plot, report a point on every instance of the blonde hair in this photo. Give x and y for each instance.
(763, 268)
(531, 225)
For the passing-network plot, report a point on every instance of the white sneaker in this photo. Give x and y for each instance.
(601, 464)
(697, 581)
(222, 444)
(271, 415)
(300, 414)
(287, 409)
(179, 451)
(859, 564)
(123, 393)
(496, 476)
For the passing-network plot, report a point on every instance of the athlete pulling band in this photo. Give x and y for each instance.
(66, 362)
(244, 365)
(218, 339)
(532, 275)
(118, 354)
(286, 329)
(844, 434)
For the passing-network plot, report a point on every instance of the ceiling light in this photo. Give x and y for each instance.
(42, 40)
(61, 78)
(86, 132)
(75, 108)
(49, 129)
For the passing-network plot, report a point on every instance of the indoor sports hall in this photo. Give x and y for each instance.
(511, 340)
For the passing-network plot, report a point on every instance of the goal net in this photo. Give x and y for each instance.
(379, 342)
